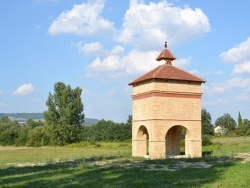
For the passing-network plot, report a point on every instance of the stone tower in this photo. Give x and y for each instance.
(166, 102)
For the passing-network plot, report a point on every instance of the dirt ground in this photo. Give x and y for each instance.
(179, 164)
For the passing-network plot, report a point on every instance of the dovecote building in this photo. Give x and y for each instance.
(166, 103)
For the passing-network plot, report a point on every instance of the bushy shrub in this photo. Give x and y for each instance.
(8, 132)
(206, 140)
(39, 136)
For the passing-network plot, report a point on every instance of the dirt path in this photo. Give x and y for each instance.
(176, 165)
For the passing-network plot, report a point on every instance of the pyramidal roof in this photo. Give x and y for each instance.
(166, 54)
(167, 71)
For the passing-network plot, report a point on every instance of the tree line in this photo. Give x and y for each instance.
(64, 124)
(226, 123)
(38, 134)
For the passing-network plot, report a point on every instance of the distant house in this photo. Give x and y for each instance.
(219, 130)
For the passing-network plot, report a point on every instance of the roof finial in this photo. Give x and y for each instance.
(166, 46)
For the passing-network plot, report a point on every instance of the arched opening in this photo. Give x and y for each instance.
(143, 137)
(175, 141)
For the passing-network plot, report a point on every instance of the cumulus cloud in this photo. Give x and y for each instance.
(110, 63)
(82, 19)
(222, 87)
(134, 62)
(96, 48)
(148, 25)
(24, 89)
(242, 68)
(240, 55)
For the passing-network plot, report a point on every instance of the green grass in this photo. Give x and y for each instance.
(77, 166)
(57, 154)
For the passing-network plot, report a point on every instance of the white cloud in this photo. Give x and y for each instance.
(243, 97)
(133, 63)
(24, 89)
(239, 53)
(148, 25)
(212, 90)
(1, 92)
(96, 48)
(110, 63)
(238, 82)
(184, 62)
(83, 19)
(117, 50)
(2, 103)
(222, 87)
(242, 68)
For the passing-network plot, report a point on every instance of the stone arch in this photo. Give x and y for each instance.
(142, 143)
(173, 140)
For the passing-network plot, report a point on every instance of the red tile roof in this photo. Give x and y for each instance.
(166, 54)
(168, 72)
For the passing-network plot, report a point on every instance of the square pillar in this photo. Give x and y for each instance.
(193, 148)
(139, 148)
(157, 149)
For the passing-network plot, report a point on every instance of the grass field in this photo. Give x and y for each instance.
(225, 164)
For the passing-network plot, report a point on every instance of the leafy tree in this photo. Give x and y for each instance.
(107, 131)
(5, 119)
(32, 123)
(244, 129)
(39, 136)
(129, 127)
(8, 131)
(23, 136)
(65, 113)
(226, 122)
(206, 123)
(129, 120)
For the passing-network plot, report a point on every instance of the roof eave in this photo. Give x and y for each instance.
(138, 82)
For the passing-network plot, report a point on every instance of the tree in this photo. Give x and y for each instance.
(226, 122)
(5, 119)
(206, 123)
(244, 129)
(65, 113)
(32, 123)
(8, 131)
(239, 120)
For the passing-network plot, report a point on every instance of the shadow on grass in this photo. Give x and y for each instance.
(72, 174)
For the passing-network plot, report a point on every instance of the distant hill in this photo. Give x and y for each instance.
(23, 115)
(39, 116)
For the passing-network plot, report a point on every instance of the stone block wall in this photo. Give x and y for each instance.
(160, 106)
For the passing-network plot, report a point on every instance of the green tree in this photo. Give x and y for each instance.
(5, 119)
(244, 129)
(39, 136)
(8, 131)
(65, 113)
(23, 136)
(239, 120)
(226, 122)
(206, 123)
(32, 123)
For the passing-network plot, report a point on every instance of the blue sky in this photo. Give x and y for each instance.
(102, 45)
